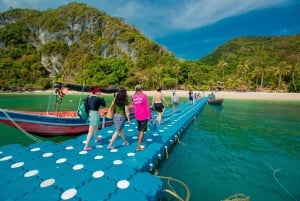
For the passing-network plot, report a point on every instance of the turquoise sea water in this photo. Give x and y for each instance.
(242, 147)
(35, 102)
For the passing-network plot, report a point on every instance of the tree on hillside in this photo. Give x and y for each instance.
(294, 68)
(280, 70)
(255, 74)
(176, 71)
(243, 69)
(194, 74)
(222, 65)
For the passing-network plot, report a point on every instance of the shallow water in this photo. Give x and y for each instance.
(242, 147)
(35, 102)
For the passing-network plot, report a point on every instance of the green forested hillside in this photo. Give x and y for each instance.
(257, 63)
(82, 45)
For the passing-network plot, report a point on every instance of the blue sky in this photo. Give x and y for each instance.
(192, 29)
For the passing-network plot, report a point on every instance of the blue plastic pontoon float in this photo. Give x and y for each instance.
(49, 171)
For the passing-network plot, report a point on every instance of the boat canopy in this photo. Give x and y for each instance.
(83, 88)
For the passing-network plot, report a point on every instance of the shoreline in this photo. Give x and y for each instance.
(235, 95)
(219, 94)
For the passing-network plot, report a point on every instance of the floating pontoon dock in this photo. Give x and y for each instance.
(49, 171)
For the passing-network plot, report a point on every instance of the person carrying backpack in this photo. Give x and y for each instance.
(94, 104)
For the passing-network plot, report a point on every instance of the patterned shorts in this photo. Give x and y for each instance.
(119, 121)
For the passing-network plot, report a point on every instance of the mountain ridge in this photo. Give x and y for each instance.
(80, 44)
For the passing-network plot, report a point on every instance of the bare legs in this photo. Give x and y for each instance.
(114, 137)
(159, 117)
(174, 107)
(141, 135)
(93, 130)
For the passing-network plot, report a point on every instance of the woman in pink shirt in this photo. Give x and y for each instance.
(142, 113)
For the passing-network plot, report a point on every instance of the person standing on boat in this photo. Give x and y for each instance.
(94, 103)
(142, 113)
(158, 102)
(121, 112)
(175, 101)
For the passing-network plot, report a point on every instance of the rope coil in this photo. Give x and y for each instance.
(172, 191)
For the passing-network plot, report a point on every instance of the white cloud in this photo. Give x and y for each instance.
(156, 18)
(195, 14)
(31, 4)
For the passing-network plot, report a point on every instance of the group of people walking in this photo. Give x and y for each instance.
(141, 110)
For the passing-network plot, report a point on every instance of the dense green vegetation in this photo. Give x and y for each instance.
(258, 63)
(82, 45)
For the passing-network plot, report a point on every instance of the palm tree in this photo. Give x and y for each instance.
(294, 68)
(280, 70)
(255, 75)
(177, 71)
(294, 71)
(263, 71)
(243, 69)
(194, 74)
(222, 64)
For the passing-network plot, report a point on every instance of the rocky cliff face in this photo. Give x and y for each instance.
(75, 44)
(79, 27)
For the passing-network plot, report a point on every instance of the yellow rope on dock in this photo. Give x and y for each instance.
(173, 192)
(237, 197)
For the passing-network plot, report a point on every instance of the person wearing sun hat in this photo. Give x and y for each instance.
(94, 104)
(142, 113)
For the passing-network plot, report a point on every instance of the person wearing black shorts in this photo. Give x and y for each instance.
(142, 113)
(158, 102)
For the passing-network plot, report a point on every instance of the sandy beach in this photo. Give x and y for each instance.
(237, 95)
(223, 94)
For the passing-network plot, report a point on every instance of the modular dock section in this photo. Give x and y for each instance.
(49, 171)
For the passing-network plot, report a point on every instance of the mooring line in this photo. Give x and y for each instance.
(274, 172)
(20, 128)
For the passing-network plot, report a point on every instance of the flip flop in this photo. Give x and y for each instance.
(88, 149)
(110, 148)
(140, 149)
(125, 143)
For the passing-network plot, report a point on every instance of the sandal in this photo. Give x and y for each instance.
(87, 148)
(140, 148)
(110, 147)
(125, 143)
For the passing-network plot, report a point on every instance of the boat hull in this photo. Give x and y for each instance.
(215, 101)
(49, 124)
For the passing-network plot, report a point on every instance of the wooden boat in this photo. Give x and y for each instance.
(50, 124)
(215, 101)
(47, 123)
